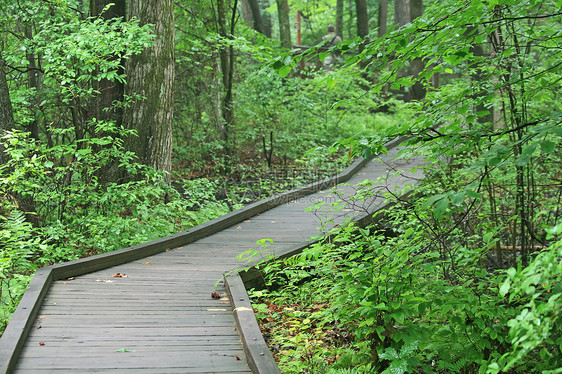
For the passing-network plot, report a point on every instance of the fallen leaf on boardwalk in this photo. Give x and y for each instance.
(224, 298)
(247, 220)
(124, 350)
(238, 358)
(71, 279)
(239, 227)
(146, 263)
(216, 310)
(118, 275)
(215, 295)
(41, 343)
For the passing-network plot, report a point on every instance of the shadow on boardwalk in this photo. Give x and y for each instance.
(156, 314)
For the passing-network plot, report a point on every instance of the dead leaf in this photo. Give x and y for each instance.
(239, 227)
(71, 279)
(215, 295)
(238, 358)
(41, 343)
(146, 263)
(118, 275)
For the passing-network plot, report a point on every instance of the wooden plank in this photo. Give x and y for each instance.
(259, 358)
(13, 339)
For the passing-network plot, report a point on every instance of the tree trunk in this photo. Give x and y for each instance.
(417, 91)
(118, 9)
(252, 15)
(227, 59)
(401, 12)
(247, 13)
(382, 17)
(258, 19)
(6, 112)
(151, 74)
(362, 18)
(284, 24)
(267, 27)
(33, 82)
(339, 18)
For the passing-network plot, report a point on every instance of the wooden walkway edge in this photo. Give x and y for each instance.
(23, 320)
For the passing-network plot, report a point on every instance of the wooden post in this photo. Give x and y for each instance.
(298, 27)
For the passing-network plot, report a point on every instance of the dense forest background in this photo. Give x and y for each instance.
(125, 121)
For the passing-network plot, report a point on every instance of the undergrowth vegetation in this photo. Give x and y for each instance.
(468, 281)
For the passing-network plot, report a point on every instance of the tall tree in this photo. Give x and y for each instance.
(362, 18)
(253, 15)
(227, 59)
(267, 27)
(284, 23)
(339, 18)
(382, 18)
(151, 75)
(6, 113)
(417, 91)
(401, 12)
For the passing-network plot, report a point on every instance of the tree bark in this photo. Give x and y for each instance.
(284, 24)
(247, 13)
(267, 27)
(339, 18)
(227, 59)
(401, 12)
(417, 91)
(33, 82)
(151, 74)
(252, 15)
(382, 18)
(362, 18)
(118, 9)
(258, 19)
(6, 111)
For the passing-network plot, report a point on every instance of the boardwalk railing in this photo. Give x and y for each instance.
(13, 339)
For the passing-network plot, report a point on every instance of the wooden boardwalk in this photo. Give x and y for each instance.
(156, 314)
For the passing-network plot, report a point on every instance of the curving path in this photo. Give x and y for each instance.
(156, 314)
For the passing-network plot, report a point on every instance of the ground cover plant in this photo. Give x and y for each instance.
(469, 280)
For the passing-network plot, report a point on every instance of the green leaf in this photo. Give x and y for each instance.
(457, 198)
(284, 71)
(547, 146)
(463, 109)
(522, 160)
(529, 150)
(504, 288)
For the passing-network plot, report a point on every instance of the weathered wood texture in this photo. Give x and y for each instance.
(159, 317)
